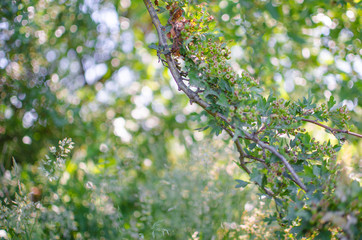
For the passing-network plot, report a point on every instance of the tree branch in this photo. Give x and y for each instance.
(239, 149)
(242, 155)
(255, 158)
(332, 130)
(295, 177)
(194, 97)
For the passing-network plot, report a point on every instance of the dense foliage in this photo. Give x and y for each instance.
(139, 169)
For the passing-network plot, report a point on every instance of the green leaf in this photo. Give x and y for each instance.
(252, 146)
(241, 183)
(225, 86)
(210, 92)
(272, 10)
(264, 180)
(316, 170)
(293, 143)
(308, 171)
(271, 97)
(223, 101)
(160, 10)
(189, 40)
(331, 102)
(216, 130)
(256, 176)
(337, 147)
(324, 235)
(166, 51)
(256, 89)
(202, 128)
(195, 116)
(195, 80)
(238, 133)
(154, 46)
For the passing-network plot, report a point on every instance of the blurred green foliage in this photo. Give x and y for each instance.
(139, 170)
(126, 201)
(297, 46)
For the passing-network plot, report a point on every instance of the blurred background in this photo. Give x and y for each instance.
(139, 169)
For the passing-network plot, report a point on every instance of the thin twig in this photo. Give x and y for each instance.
(333, 130)
(295, 177)
(239, 149)
(242, 155)
(255, 158)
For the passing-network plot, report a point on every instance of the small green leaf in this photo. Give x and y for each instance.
(194, 116)
(256, 176)
(154, 46)
(167, 51)
(225, 86)
(252, 146)
(324, 235)
(331, 102)
(216, 130)
(189, 40)
(293, 143)
(241, 183)
(202, 128)
(337, 147)
(223, 101)
(210, 92)
(256, 89)
(308, 171)
(238, 133)
(160, 10)
(316, 170)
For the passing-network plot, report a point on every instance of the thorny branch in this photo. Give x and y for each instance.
(194, 97)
